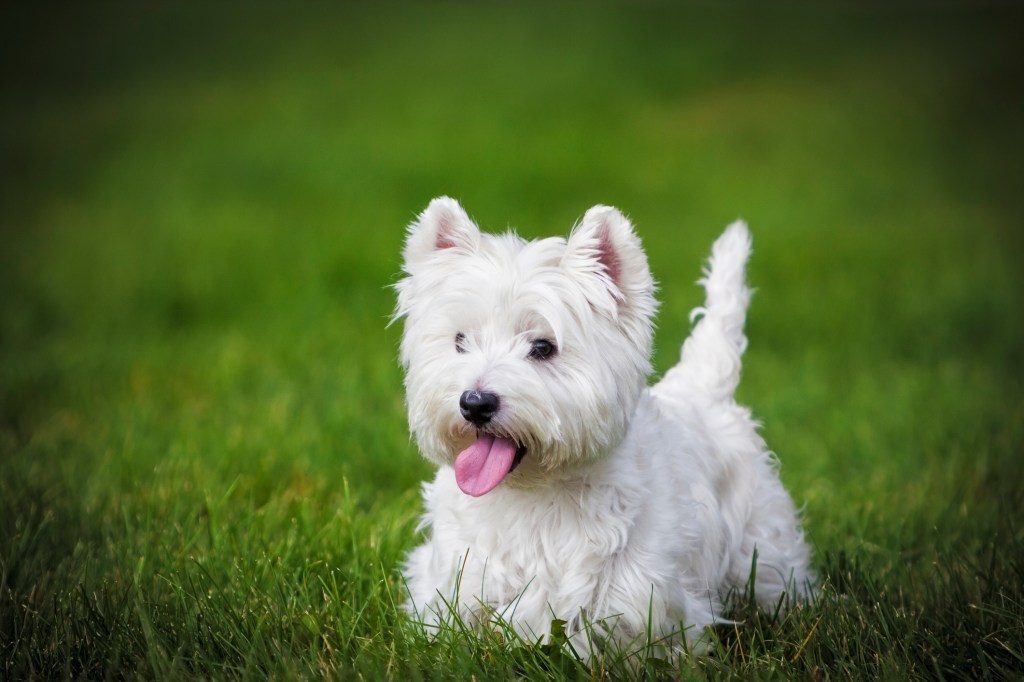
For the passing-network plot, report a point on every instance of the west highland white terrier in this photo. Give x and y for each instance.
(566, 487)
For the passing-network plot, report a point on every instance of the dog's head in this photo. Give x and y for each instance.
(524, 356)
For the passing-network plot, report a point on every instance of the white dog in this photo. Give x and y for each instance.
(566, 487)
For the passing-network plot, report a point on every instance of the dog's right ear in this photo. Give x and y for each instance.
(442, 225)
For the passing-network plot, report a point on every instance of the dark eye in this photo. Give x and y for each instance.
(542, 349)
(460, 338)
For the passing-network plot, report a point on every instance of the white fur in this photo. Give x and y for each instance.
(638, 509)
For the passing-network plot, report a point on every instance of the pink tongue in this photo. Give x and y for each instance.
(483, 464)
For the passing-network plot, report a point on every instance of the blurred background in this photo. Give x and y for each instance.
(202, 208)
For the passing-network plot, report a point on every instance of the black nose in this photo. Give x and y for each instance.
(478, 407)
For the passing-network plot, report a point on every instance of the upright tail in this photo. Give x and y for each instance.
(710, 361)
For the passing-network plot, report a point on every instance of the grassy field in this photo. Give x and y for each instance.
(205, 470)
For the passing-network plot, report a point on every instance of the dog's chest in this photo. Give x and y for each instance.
(558, 544)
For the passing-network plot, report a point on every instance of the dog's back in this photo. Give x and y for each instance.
(701, 390)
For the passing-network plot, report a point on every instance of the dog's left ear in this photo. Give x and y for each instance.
(444, 224)
(603, 249)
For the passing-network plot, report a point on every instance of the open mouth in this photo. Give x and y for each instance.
(520, 453)
(484, 464)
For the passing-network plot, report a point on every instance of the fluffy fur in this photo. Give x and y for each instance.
(635, 509)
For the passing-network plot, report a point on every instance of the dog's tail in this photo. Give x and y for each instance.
(710, 361)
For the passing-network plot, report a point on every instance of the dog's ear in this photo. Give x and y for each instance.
(442, 225)
(604, 249)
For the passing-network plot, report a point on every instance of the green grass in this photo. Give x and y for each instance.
(204, 464)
